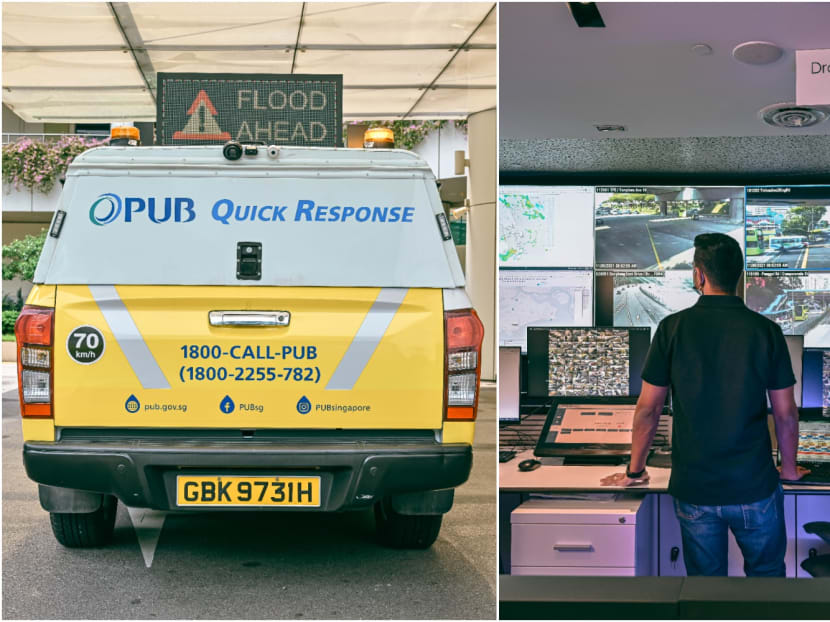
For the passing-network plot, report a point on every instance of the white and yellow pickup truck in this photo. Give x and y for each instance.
(285, 331)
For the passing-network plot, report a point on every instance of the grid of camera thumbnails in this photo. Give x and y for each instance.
(588, 362)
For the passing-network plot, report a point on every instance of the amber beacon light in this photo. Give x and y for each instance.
(125, 135)
(379, 138)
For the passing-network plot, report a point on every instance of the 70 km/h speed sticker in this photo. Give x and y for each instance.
(85, 345)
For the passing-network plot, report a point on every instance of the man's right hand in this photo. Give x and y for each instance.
(790, 474)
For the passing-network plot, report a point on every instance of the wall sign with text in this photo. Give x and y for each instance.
(812, 77)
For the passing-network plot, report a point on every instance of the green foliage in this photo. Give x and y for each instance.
(20, 256)
(802, 219)
(640, 202)
(38, 165)
(9, 318)
(632, 198)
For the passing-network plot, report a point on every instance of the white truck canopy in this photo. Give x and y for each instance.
(324, 217)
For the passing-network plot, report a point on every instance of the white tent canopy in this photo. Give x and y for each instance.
(97, 61)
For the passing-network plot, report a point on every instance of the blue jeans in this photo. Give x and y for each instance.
(758, 528)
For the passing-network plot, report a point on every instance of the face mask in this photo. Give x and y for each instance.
(698, 287)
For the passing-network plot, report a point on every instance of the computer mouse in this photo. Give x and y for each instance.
(529, 465)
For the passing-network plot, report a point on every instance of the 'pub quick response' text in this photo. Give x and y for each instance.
(226, 212)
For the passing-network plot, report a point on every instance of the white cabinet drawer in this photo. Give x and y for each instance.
(572, 571)
(573, 545)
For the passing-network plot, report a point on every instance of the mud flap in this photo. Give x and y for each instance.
(68, 500)
(419, 503)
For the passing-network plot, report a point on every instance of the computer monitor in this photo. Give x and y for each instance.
(509, 362)
(542, 298)
(814, 416)
(788, 228)
(815, 386)
(546, 226)
(654, 227)
(796, 301)
(586, 361)
(813, 446)
(588, 427)
(641, 298)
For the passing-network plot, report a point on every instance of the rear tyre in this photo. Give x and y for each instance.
(404, 531)
(86, 530)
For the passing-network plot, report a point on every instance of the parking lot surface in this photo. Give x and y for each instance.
(248, 565)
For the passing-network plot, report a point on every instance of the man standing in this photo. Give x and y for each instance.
(721, 359)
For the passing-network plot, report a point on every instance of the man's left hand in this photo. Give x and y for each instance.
(621, 479)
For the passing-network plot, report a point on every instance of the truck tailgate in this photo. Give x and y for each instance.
(349, 358)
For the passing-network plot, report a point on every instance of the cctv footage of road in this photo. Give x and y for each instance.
(654, 228)
(798, 302)
(788, 234)
(646, 298)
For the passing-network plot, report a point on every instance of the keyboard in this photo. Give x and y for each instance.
(819, 474)
(505, 455)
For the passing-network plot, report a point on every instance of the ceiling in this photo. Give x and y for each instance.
(734, 160)
(97, 61)
(558, 81)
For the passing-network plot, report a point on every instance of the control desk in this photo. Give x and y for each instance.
(556, 482)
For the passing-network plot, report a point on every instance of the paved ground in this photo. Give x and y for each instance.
(262, 565)
(648, 241)
(816, 257)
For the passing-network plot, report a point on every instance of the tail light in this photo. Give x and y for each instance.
(34, 331)
(464, 333)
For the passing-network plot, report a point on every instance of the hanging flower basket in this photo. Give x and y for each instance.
(38, 165)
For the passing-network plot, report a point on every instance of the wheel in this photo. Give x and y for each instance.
(404, 531)
(86, 530)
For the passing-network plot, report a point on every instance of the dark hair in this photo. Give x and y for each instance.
(721, 259)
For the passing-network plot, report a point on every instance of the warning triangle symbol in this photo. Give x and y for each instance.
(202, 124)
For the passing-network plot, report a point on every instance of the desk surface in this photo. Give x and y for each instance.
(586, 478)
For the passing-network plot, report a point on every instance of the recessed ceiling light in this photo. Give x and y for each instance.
(609, 127)
(702, 49)
(790, 116)
(757, 52)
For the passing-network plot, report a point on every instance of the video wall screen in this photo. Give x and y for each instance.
(621, 256)
(654, 227)
(542, 298)
(546, 227)
(641, 298)
(788, 228)
(797, 301)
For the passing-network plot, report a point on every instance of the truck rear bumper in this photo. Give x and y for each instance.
(143, 474)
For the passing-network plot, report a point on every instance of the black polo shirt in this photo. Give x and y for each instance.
(720, 358)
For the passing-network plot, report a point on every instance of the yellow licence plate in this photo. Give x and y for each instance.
(248, 490)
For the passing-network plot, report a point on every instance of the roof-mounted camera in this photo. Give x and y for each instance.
(232, 150)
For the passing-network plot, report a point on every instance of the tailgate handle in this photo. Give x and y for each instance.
(249, 318)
